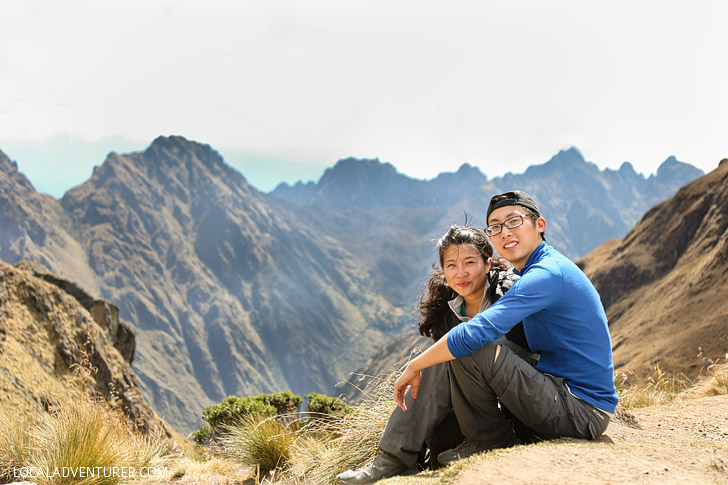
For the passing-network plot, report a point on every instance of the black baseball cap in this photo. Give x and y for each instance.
(515, 197)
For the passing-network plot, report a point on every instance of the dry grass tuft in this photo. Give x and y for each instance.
(663, 388)
(15, 447)
(74, 437)
(660, 388)
(262, 442)
(715, 383)
(338, 443)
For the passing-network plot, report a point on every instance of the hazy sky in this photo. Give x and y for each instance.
(283, 89)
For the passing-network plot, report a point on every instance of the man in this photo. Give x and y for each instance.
(570, 391)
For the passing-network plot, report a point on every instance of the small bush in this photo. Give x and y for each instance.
(285, 402)
(322, 404)
(232, 408)
(202, 436)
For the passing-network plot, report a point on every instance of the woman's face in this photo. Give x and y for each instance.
(465, 270)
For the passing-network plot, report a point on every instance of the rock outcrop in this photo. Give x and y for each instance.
(57, 342)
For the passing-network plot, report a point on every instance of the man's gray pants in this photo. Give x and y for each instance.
(477, 389)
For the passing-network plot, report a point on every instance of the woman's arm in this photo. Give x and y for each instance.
(412, 376)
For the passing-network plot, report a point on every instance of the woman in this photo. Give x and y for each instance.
(467, 281)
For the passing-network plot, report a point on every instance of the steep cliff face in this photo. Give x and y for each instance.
(48, 327)
(664, 285)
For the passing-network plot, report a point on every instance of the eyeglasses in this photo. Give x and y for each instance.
(511, 223)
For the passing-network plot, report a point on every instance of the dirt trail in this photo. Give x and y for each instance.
(678, 443)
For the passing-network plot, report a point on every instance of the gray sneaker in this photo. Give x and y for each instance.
(465, 449)
(382, 466)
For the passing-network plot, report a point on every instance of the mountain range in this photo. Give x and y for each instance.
(663, 286)
(233, 291)
(573, 192)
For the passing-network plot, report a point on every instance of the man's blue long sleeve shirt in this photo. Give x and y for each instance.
(563, 319)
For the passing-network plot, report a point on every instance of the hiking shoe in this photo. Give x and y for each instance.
(383, 466)
(465, 449)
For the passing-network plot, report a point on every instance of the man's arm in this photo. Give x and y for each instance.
(412, 376)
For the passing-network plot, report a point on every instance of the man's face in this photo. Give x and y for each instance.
(517, 244)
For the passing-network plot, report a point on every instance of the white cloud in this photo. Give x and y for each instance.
(425, 85)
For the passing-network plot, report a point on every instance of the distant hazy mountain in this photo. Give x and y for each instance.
(367, 183)
(583, 205)
(664, 285)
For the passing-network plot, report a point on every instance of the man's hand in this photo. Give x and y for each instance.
(408, 378)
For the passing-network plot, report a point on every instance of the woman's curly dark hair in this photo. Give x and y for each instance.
(433, 306)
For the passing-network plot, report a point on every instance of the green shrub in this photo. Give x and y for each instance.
(322, 404)
(232, 408)
(202, 436)
(285, 402)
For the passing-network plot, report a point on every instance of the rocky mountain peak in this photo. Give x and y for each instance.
(570, 156)
(7, 165)
(464, 173)
(627, 169)
(355, 182)
(673, 169)
(563, 162)
(351, 168)
(9, 170)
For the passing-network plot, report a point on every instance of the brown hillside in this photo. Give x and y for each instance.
(48, 326)
(664, 286)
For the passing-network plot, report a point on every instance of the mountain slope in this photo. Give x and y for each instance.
(664, 285)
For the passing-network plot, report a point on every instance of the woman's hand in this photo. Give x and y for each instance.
(408, 378)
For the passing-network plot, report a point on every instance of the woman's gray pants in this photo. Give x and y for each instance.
(478, 389)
